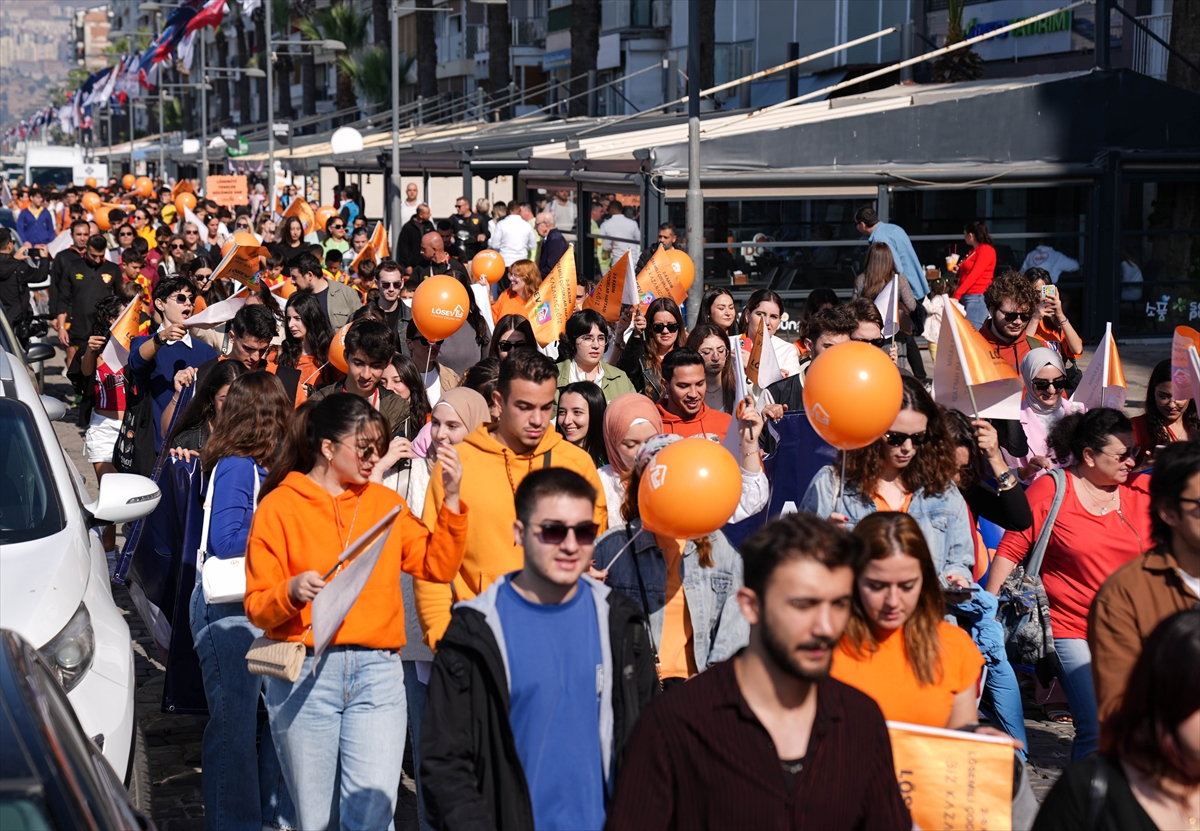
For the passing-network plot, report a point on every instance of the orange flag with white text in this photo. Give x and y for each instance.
(240, 263)
(554, 300)
(124, 329)
(300, 208)
(659, 279)
(379, 242)
(614, 290)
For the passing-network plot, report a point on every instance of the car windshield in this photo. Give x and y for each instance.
(44, 176)
(29, 506)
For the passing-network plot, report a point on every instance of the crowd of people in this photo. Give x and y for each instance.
(549, 660)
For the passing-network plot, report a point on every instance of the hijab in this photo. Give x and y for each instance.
(1034, 362)
(468, 404)
(621, 414)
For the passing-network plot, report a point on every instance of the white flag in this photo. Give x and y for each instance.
(1103, 382)
(888, 303)
(216, 313)
(733, 440)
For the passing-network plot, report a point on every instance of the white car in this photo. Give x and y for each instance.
(54, 584)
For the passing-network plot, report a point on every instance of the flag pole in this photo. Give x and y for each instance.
(974, 406)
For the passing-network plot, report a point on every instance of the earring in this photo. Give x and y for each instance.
(329, 457)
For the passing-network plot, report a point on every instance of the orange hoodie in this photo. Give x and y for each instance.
(708, 423)
(300, 527)
(491, 474)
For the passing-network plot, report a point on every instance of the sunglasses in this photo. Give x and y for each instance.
(554, 533)
(362, 451)
(878, 343)
(202, 275)
(336, 227)
(1125, 455)
(390, 284)
(898, 439)
(1009, 317)
(508, 345)
(181, 298)
(125, 234)
(659, 328)
(177, 247)
(421, 339)
(241, 226)
(1043, 384)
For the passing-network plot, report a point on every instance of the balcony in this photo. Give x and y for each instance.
(616, 15)
(1149, 56)
(528, 31)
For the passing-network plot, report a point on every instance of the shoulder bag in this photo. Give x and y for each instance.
(1024, 607)
(223, 579)
(276, 659)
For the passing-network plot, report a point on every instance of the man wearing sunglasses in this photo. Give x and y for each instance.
(1011, 301)
(538, 681)
(390, 279)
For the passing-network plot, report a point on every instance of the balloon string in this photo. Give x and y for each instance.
(624, 548)
(837, 502)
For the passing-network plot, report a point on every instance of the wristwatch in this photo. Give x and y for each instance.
(158, 340)
(1006, 480)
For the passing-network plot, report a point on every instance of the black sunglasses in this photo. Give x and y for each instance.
(554, 533)
(659, 328)
(879, 343)
(336, 227)
(1009, 317)
(390, 284)
(421, 339)
(1043, 384)
(898, 439)
(508, 345)
(181, 298)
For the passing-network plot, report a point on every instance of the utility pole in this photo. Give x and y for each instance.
(394, 215)
(204, 116)
(270, 68)
(695, 196)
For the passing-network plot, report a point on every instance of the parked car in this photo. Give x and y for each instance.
(54, 585)
(32, 357)
(51, 775)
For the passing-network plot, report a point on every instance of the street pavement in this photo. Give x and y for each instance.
(174, 741)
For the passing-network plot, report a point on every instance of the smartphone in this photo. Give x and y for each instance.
(1049, 291)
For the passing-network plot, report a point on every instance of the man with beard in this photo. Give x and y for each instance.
(767, 739)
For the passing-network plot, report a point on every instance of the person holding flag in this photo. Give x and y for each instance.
(765, 308)
(1043, 405)
(1166, 419)
(880, 282)
(642, 357)
(340, 727)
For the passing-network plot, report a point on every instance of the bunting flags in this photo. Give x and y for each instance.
(209, 15)
(300, 209)
(554, 300)
(124, 330)
(614, 290)
(888, 303)
(1103, 382)
(1185, 364)
(658, 279)
(968, 377)
(379, 242)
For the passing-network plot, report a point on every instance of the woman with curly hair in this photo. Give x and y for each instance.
(911, 469)
(1166, 419)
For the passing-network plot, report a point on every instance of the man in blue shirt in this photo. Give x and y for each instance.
(893, 236)
(155, 361)
(538, 681)
(35, 224)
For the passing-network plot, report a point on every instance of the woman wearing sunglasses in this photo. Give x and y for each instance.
(1043, 406)
(1103, 523)
(656, 333)
(911, 470)
(511, 332)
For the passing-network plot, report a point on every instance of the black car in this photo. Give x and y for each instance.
(51, 775)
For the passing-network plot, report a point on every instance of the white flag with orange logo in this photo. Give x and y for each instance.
(124, 330)
(1103, 382)
(969, 376)
(762, 368)
(554, 301)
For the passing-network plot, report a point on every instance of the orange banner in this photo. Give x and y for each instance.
(379, 242)
(614, 289)
(659, 279)
(554, 300)
(228, 191)
(367, 253)
(980, 363)
(754, 362)
(124, 329)
(300, 208)
(240, 263)
(1182, 386)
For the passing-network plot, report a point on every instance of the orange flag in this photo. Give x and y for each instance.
(968, 376)
(300, 208)
(367, 253)
(554, 300)
(379, 242)
(659, 279)
(1185, 364)
(240, 263)
(614, 290)
(1103, 382)
(182, 186)
(124, 329)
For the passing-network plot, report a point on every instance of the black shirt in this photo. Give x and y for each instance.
(467, 230)
(84, 285)
(1068, 805)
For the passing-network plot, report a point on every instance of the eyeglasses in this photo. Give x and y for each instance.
(659, 328)
(898, 439)
(1044, 384)
(554, 533)
(1125, 455)
(592, 340)
(1009, 317)
(390, 284)
(363, 451)
(125, 234)
(878, 343)
(508, 345)
(181, 298)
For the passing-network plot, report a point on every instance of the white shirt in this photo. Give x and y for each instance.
(622, 227)
(564, 215)
(514, 239)
(433, 385)
(408, 211)
(1053, 261)
(577, 375)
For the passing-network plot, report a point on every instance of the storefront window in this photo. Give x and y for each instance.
(1159, 257)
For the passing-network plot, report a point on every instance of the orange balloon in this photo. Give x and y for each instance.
(101, 218)
(90, 201)
(285, 289)
(184, 201)
(684, 475)
(144, 186)
(323, 214)
(682, 265)
(337, 348)
(489, 265)
(852, 393)
(199, 304)
(440, 306)
(128, 181)
(90, 181)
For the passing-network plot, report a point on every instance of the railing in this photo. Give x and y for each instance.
(1149, 56)
(528, 31)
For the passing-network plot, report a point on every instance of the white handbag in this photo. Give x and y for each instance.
(222, 579)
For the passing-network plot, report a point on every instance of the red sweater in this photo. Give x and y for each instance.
(976, 271)
(1084, 549)
(708, 423)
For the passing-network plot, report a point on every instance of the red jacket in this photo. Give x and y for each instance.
(708, 423)
(976, 271)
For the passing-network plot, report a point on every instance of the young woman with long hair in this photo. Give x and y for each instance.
(656, 333)
(305, 346)
(710, 342)
(242, 782)
(469, 344)
(718, 308)
(910, 469)
(511, 331)
(340, 727)
(976, 271)
(584, 344)
(1166, 419)
(524, 278)
(765, 308)
(291, 239)
(195, 424)
(878, 270)
(897, 647)
(402, 377)
(580, 418)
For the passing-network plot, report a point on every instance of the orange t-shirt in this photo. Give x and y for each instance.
(675, 654)
(508, 303)
(1055, 336)
(886, 676)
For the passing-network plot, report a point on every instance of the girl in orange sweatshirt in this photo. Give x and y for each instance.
(340, 733)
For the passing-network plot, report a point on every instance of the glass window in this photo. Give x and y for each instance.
(29, 507)
(1159, 258)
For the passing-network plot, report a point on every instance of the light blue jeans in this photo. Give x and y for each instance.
(341, 736)
(415, 694)
(976, 309)
(243, 786)
(1002, 702)
(1075, 675)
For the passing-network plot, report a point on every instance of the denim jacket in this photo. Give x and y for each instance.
(719, 629)
(943, 517)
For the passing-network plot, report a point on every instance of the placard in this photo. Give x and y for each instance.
(228, 191)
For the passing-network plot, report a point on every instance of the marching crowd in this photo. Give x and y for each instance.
(552, 654)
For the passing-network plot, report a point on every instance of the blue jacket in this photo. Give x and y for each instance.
(719, 629)
(36, 230)
(943, 517)
(893, 237)
(232, 506)
(158, 375)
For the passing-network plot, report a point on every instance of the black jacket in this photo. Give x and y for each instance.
(471, 775)
(410, 242)
(15, 277)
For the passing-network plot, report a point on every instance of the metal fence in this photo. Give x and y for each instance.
(1150, 56)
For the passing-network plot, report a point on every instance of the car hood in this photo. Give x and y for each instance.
(42, 583)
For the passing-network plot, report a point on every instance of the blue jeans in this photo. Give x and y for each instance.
(415, 694)
(1075, 675)
(976, 309)
(341, 736)
(243, 786)
(1002, 702)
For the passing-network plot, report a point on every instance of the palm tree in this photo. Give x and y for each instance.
(499, 33)
(345, 23)
(963, 65)
(585, 43)
(371, 73)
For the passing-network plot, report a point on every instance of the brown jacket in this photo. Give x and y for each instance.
(1135, 599)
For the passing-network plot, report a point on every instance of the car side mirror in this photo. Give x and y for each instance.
(124, 497)
(55, 409)
(38, 352)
